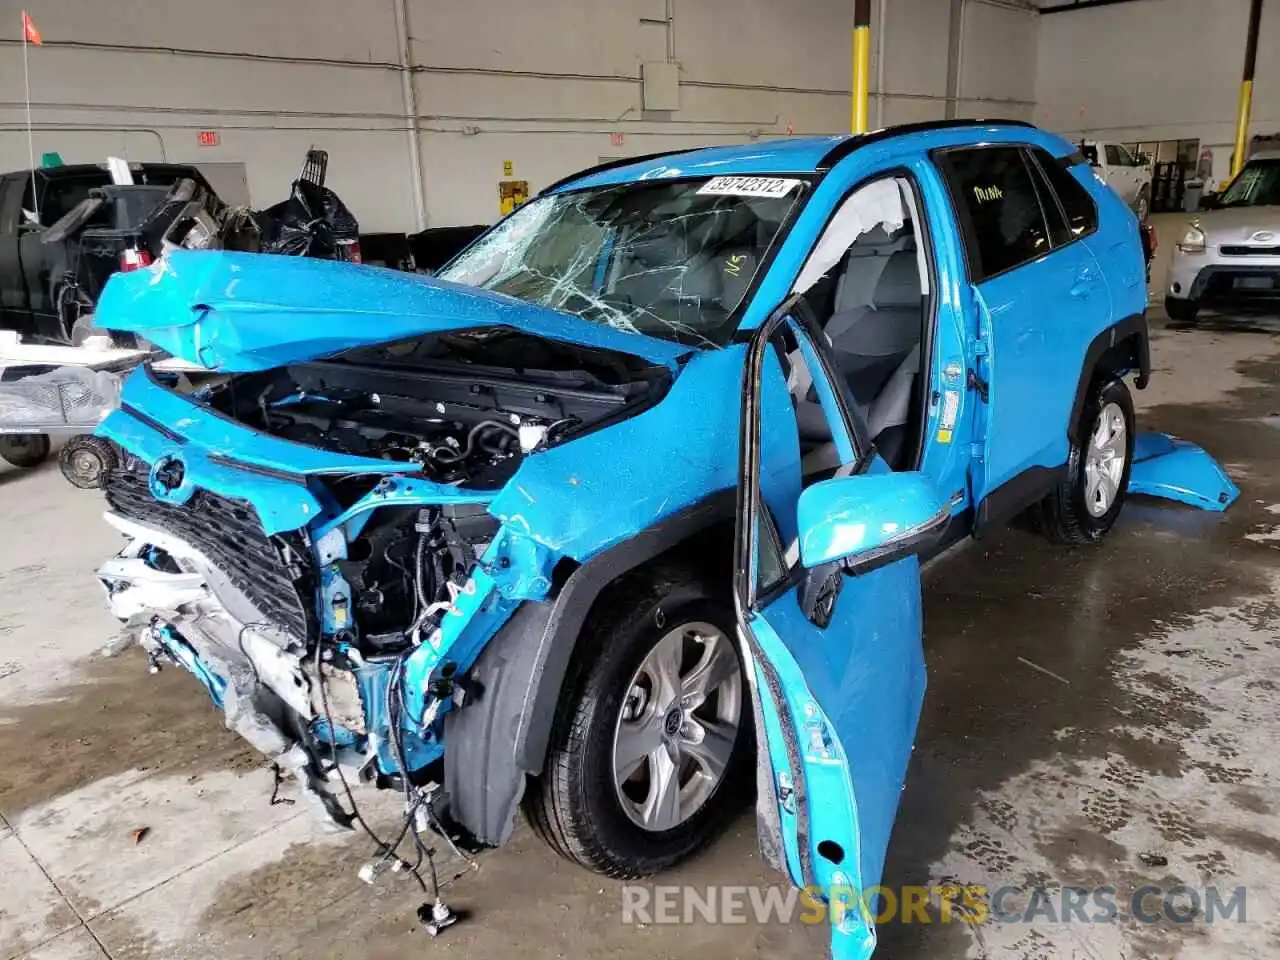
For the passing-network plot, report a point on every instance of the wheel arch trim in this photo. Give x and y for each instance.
(1131, 328)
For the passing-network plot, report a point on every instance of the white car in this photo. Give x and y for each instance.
(1229, 256)
(1126, 174)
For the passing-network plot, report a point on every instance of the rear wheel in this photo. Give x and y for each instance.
(1085, 505)
(24, 449)
(651, 748)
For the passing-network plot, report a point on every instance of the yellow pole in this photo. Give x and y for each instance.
(1242, 126)
(1246, 89)
(861, 63)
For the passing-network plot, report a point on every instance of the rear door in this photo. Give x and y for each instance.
(838, 673)
(1035, 302)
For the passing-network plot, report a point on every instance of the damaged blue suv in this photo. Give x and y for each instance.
(621, 517)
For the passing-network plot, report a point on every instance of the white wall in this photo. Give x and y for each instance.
(1157, 70)
(544, 83)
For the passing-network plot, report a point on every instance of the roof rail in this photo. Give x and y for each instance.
(846, 147)
(612, 165)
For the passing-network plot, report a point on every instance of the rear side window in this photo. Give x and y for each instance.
(999, 210)
(1077, 205)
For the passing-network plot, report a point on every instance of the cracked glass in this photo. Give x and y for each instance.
(669, 259)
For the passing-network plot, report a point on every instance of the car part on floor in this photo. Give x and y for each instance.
(1164, 466)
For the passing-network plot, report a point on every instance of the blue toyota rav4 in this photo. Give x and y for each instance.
(621, 517)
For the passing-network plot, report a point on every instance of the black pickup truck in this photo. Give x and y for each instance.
(35, 298)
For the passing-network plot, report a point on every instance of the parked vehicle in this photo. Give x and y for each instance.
(1126, 174)
(1229, 255)
(624, 512)
(43, 286)
(436, 246)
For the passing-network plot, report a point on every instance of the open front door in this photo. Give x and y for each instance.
(828, 592)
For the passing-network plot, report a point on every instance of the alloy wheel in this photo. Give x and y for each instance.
(677, 727)
(1105, 460)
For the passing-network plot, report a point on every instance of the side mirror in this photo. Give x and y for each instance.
(869, 520)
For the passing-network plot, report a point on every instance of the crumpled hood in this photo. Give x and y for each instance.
(1239, 224)
(240, 312)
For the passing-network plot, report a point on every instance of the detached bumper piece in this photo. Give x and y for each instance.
(1173, 469)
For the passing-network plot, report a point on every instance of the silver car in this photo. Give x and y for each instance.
(1229, 255)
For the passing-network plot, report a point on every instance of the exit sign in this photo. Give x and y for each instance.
(208, 138)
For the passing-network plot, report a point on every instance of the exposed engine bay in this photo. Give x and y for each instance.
(318, 642)
(465, 407)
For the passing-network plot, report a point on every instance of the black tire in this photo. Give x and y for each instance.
(85, 460)
(1063, 516)
(1142, 206)
(24, 449)
(574, 805)
(1181, 311)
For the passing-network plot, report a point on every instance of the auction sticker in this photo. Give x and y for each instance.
(749, 186)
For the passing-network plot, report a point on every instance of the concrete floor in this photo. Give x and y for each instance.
(1100, 716)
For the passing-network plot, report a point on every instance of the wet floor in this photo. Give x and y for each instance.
(1102, 719)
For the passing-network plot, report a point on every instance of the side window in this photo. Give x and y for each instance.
(59, 195)
(771, 558)
(1080, 210)
(1113, 156)
(1000, 211)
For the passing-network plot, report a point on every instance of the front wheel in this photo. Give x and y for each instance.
(1085, 505)
(651, 747)
(1143, 206)
(1181, 311)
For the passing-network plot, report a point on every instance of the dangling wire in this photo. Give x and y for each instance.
(386, 851)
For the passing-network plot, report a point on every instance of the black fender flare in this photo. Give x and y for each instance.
(503, 731)
(1126, 329)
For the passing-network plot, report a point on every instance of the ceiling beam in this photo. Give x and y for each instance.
(1082, 5)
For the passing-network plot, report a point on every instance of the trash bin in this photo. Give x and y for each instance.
(1191, 198)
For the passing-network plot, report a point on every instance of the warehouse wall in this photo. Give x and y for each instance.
(549, 85)
(1096, 76)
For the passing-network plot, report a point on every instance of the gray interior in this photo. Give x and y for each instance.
(875, 328)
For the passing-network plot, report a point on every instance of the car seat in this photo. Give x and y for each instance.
(877, 347)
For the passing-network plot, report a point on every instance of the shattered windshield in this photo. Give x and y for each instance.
(672, 260)
(1257, 186)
